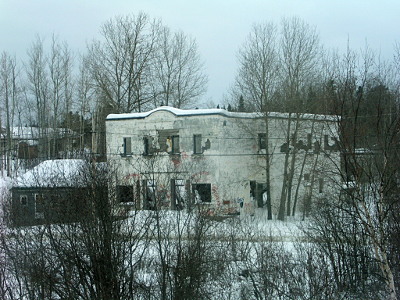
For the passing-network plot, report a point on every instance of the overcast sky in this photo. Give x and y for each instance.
(219, 27)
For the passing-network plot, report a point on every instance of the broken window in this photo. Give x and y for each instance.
(197, 144)
(328, 147)
(149, 194)
(178, 192)
(127, 146)
(125, 193)
(258, 193)
(201, 192)
(262, 141)
(169, 141)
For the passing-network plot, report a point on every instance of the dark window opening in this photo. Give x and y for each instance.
(258, 193)
(127, 146)
(178, 192)
(175, 144)
(125, 193)
(197, 144)
(39, 206)
(23, 199)
(201, 192)
(150, 188)
(321, 185)
(262, 141)
(168, 139)
(148, 145)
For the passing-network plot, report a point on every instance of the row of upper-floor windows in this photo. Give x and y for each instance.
(171, 144)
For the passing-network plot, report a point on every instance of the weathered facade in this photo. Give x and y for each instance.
(171, 158)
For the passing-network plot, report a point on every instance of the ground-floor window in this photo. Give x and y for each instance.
(125, 193)
(178, 192)
(201, 192)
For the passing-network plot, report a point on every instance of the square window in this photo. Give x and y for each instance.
(202, 192)
(124, 193)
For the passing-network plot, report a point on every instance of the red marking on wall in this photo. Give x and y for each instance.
(132, 175)
(215, 194)
(196, 176)
(176, 162)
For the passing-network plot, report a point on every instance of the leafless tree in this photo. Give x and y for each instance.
(273, 72)
(60, 86)
(9, 95)
(178, 79)
(96, 257)
(120, 63)
(368, 174)
(257, 81)
(38, 88)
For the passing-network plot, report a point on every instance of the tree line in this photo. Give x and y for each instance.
(136, 64)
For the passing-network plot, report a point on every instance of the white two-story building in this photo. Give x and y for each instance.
(215, 159)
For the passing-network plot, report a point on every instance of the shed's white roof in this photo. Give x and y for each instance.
(214, 111)
(52, 173)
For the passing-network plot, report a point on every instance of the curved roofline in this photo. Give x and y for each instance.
(213, 111)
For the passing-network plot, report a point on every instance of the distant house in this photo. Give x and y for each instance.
(51, 192)
(25, 141)
(170, 158)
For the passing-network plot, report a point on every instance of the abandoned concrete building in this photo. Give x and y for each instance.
(217, 160)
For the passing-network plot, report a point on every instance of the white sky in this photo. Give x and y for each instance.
(219, 27)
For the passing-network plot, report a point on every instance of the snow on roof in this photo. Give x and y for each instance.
(52, 173)
(213, 111)
(29, 133)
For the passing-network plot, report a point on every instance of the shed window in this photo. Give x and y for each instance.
(39, 206)
(23, 199)
(202, 192)
(127, 146)
(262, 141)
(197, 144)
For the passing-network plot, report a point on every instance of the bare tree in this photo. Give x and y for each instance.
(38, 87)
(369, 169)
(120, 63)
(60, 86)
(272, 75)
(178, 79)
(9, 96)
(257, 81)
